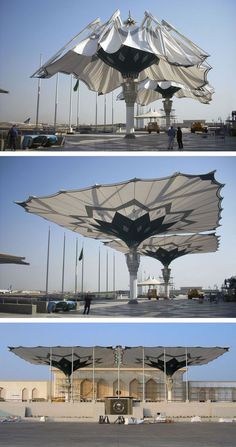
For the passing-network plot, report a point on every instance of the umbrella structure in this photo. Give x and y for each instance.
(66, 359)
(149, 91)
(121, 53)
(167, 359)
(12, 259)
(171, 359)
(135, 210)
(168, 248)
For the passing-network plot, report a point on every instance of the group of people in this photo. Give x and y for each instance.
(171, 134)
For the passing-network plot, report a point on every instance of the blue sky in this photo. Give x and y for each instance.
(24, 234)
(29, 28)
(125, 334)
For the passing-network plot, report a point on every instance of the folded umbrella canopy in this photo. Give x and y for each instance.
(135, 210)
(117, 53)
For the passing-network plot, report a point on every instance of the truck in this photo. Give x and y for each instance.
(197, 126)
(195, 293)
(153, 127)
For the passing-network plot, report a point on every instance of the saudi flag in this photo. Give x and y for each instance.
(76, 86)
(81, 254)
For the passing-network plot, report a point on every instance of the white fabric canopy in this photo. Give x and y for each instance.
(136, 209)
(168, 248)
(12, 259)
(147, 92)
(114, 51)
(69, 359)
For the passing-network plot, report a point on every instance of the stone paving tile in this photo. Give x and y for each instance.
(145, 309)
(144, 142)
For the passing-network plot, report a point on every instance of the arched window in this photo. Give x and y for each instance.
(135, 389)
(35, 394)
(86, 389)
(102, 389)
(24, 395)
(151, 390)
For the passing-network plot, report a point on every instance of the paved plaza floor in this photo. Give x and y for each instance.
(94, 435)
(143, 142)
(180, 308)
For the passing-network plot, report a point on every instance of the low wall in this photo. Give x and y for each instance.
(29, 309)
(189, 409)
(42, 307)
(89, 411)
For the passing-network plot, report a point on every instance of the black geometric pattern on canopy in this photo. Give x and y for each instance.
(165, 256)
(133, 232)
(76, 357)
(168, 248)
(129, 61)
(68, 366)
(167, 92)
(170, 366)
(136, 209)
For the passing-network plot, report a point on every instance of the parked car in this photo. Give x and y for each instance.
(61, 306)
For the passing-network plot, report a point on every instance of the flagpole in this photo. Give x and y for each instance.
(114, 273)
(72, 374)
(99, 270)
(78, 106)
(76, 264)
(93, 376)
(165, 371)
(56, 102)
(70, 109)
(186, 361)
(50, 369)
(112, 110)
(38, 97)
(96, 112)
(107, 273)
(82, 279)
(48, 257)
(63, 265)
(143, 378)
(105, 112)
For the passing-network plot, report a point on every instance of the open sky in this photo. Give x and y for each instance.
(111, 334)
(24, 234)
(29, 28)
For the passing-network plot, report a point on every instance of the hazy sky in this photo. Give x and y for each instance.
(111, 334)
(29, 28)
(24, 234)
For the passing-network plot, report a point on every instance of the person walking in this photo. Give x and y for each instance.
(171, 135)
(87, 303)
(179, 138)
(12, 137)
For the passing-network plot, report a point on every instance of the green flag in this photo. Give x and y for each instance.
(81, 254)
(76, 86)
